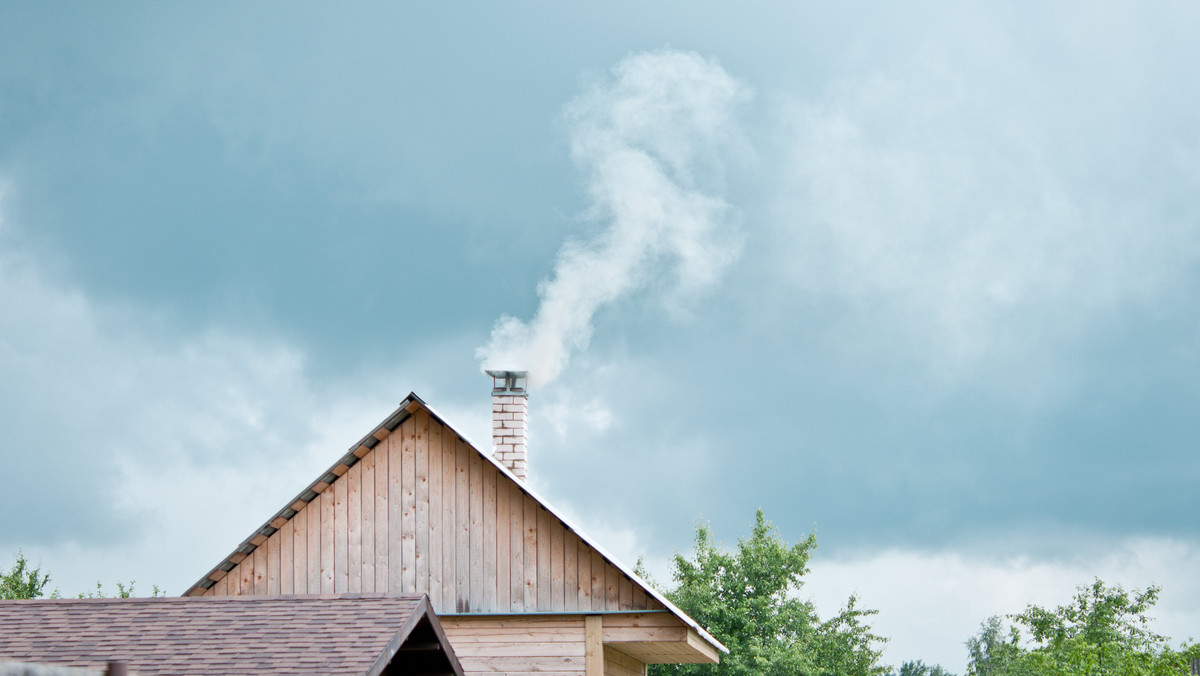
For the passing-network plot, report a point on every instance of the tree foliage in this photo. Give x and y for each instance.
(1103, 630)
(22, 581)
(749, 600)
(919, 668)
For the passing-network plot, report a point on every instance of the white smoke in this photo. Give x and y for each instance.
(649, 143)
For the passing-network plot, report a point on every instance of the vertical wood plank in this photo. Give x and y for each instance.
(449, 523)
(641, 600)
(243, 576)
(313, 510)
(516, 547)
(545, 565)
(327, 543)
(368, 522)
(625, 590)
(354, 528)
(434, 512)
(300, 552)
(462, 516)
(490, 581)
(503, 555)
(593, 642)
(286, 543)
(382, 515)
(598, 581)
(260, 570)
(557, 574)
(612, 598)
(476, 595)
(408, 514)
(341, 535)
(395, 510)
(221, 588)
(272, 545)
(421, 535)
(570, 582)
(531, 560)
(584, 563)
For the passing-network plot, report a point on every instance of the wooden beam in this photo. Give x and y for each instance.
(593, 645)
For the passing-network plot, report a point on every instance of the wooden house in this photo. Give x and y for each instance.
(413, 507)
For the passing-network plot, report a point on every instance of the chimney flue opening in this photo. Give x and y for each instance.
(510, 382)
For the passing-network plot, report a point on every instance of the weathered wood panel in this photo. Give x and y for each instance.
(517, 645)
(421, 534)
(341, 531)
(617, 663)
(367, 534)
(354, 523)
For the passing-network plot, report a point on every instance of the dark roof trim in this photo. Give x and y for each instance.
(423, 613)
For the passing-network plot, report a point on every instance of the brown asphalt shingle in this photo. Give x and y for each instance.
(328, 634)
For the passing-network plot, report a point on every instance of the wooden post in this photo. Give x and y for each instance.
(593, 642)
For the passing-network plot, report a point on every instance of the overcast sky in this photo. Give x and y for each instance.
(920, 277)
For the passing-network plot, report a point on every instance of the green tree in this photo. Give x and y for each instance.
(919, 668)
(22, 581)
(749, 600)
(25, 582)
(1103, 630)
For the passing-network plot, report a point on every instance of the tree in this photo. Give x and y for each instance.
(22, 581)
(749, 600)
(1104, 630)
(919, 668)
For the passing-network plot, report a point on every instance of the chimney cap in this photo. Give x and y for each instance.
(509, 382)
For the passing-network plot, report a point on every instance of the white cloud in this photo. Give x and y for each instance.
(649, 144)
(951, 212)
(148, 454)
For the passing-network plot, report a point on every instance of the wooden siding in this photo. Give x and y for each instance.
(517, 645)
(423, 512)
(617, 663)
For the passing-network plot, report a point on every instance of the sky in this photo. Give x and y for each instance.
(920, 277)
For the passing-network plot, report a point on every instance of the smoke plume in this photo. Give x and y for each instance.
(649, 143)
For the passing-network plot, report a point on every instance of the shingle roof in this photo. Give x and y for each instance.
(327, 634)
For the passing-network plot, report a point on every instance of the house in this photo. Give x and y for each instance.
(414, 508)
(367, 635)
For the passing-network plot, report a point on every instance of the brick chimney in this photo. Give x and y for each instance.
(510, 427)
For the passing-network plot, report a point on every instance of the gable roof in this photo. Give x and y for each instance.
(411, 405)
(331, 634)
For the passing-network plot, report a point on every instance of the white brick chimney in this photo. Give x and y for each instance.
(510, 426)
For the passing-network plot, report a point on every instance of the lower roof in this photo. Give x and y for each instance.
(324, 634)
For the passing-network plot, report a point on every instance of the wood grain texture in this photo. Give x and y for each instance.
(300, 551)
(408, 511)
(341, 530)
(354, 528)
(434, 508)
(449, 525)
(328, 546)
(368, 522)
(382, 516)
(421, 535)
(286, 567)
(462, 517)
(395, 511)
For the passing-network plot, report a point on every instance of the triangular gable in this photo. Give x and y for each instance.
(414, 507)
